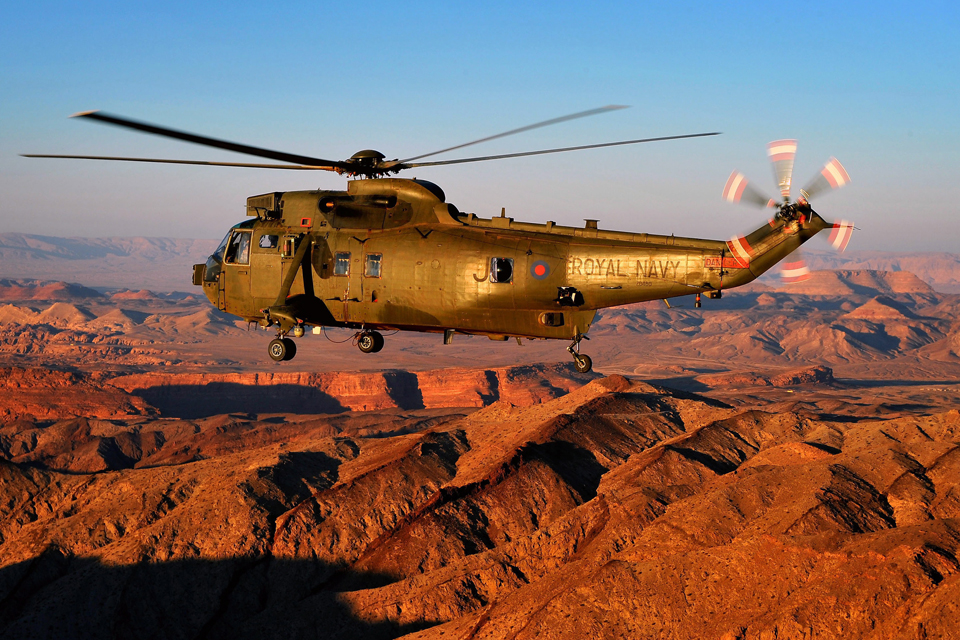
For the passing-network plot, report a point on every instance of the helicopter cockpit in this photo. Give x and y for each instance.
(233, 249)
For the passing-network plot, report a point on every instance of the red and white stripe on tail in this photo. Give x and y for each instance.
(740, 249)
(795, 271)
(840, 234)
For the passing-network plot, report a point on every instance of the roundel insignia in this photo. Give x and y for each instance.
(539, 269)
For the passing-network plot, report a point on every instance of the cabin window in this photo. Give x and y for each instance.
(341, 264)
(551, 319)
(269, 242)
(238, 251)
(501, 269)
(371, 265)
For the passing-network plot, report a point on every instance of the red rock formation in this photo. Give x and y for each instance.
(817, 375)
(43, 394)
(617, 510)
(187, 394)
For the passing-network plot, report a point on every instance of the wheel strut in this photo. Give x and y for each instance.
(581, 361)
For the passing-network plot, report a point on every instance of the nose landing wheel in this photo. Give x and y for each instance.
(282, 349)
(370, 341)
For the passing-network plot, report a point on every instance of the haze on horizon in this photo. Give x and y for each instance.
(875, 85)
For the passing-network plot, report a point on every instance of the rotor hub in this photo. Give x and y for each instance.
(367, 156)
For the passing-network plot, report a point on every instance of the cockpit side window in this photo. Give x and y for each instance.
(238, 249)
(268, 241)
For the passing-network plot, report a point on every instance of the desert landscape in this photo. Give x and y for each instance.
(780, 463)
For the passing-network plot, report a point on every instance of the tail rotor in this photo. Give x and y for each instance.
(782, 154)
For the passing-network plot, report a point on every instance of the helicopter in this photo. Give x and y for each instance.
(391, 254)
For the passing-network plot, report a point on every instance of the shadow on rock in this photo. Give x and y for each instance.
(56, 595)
(201, 401)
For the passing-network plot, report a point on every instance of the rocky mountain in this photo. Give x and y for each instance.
(940, 270)
(619, 509)
(786, 468)
(836, 318)
(843, 282)
(29, 289)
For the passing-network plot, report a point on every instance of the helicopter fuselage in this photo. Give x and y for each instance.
(392, 254)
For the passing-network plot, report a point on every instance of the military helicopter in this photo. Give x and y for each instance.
(392, 254)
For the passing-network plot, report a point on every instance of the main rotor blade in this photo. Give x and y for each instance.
(209, 142)
(201, 162)
(545, 123)
(545, 151)
(782, 153)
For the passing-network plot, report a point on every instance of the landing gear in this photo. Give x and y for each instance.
(370, 341)
(281, 349)
(581, 361)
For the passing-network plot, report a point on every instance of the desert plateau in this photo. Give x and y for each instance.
(783, 462)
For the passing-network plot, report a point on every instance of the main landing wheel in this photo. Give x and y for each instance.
(282, 349)
(582, 362)
(370, 342)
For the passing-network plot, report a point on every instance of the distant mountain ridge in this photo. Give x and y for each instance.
(939, 269)
(870, 282)
(162, 264)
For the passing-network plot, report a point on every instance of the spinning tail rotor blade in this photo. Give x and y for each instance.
(738, 189)
(782, 153)
(840, 235)
(832, 176)
(795, 270)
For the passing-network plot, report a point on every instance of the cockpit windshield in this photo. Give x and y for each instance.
(218, 254)
(215, 261)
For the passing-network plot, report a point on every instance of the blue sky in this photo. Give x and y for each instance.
(875, 84)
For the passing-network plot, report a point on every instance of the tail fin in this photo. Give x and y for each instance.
(760, 250)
